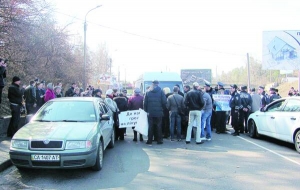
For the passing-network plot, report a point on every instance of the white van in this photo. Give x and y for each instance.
(165, 79)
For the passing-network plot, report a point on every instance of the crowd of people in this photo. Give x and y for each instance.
(172, 114)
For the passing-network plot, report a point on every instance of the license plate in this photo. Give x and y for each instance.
(40, 157)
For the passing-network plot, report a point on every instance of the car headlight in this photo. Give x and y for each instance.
(21, 144)
(78, 144)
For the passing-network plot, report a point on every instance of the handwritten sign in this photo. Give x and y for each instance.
(222, 101)
(128, 118)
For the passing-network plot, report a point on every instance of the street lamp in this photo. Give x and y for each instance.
(84, 47)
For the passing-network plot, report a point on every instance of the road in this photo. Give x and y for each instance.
(226, 162)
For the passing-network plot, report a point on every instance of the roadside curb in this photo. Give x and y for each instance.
(4, 165)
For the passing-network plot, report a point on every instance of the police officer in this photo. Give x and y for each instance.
(246, 102)
(235, 105)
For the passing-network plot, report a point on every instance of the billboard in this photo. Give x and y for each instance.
(281, 50)
(189, 76)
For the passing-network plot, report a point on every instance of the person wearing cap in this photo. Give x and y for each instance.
(2, 76)
(256, 100)
(15, 97)
(221, 115)
(30, 97)
(154, 103)
(273, 96)
(263, 96)
(226, 92)
(246, 102)
(97, 93)
(135, 102)
(194, 102)
(235, 105)
(175, 105)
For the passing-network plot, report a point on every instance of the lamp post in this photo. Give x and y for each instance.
(84, 47)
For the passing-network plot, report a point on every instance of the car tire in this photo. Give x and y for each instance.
(112, 140)
(252, 129)
(297, 141)
(99, 160)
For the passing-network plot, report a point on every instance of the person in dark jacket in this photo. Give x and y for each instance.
(194, 101)
(71, 91)
(135, 103)
(15, 97)
(39, 95)
(30, 97)
(154, 103)
(2, 76)
(246, 102)
(235, 105)
(122, 105)
(273, 95)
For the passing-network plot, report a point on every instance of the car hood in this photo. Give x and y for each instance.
(57, 130)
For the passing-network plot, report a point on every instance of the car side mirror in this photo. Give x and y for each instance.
(104, 117)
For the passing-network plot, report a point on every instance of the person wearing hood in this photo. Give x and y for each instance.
(49, 95)
(15, 97)
(154, 103)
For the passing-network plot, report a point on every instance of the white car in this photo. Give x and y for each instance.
(279, 119)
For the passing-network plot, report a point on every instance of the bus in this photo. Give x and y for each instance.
(165, 79)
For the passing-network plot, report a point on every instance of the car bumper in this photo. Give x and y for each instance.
(67, 159)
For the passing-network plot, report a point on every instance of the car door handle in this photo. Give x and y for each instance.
(272, 117)
(293, 118)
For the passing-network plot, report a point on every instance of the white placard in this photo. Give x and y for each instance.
(142, 123)
(128, 118)
(222, 101)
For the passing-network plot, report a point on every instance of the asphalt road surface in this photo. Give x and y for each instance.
(225, 162)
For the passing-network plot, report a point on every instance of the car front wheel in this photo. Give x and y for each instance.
(297, 141)
(99, 160)
(252, 129)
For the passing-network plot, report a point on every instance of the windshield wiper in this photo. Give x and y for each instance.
(41, 120)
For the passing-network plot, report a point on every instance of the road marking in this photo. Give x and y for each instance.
(295, 162)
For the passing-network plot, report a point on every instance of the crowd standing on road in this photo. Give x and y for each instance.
(171, 115)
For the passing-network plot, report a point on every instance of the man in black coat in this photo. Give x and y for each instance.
(122, 104)
(154, 103)
(2, 76)
(15, 99)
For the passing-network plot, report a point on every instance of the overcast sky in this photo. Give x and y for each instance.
(160, 35)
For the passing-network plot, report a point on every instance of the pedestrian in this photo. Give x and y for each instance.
(57, 91)
(39, 96)
(175, 105)
(70, 92)
(113, 107)
(235, 105)
(30, 97)
(179, 92)
(265, 100)
(122, 105)
(195, 102)
(98, 93)
(15, 97)
(166, 117)
(185, 118)
(154, 103)
(206, 116)
(3, 66)
(135, 103)
(273, 95)
(49, 95)
(255, 101)
(221, 115)
(246, 102)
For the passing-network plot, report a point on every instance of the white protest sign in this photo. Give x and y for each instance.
(142, 123)
(222, 101)
(128, 118)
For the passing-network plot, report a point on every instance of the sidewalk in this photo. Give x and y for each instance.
(4, 155)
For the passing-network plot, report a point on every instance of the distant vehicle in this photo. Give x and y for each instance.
(165, 79)
(65, 133)
(279, 119)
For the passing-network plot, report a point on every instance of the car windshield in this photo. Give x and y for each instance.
(66, 111)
